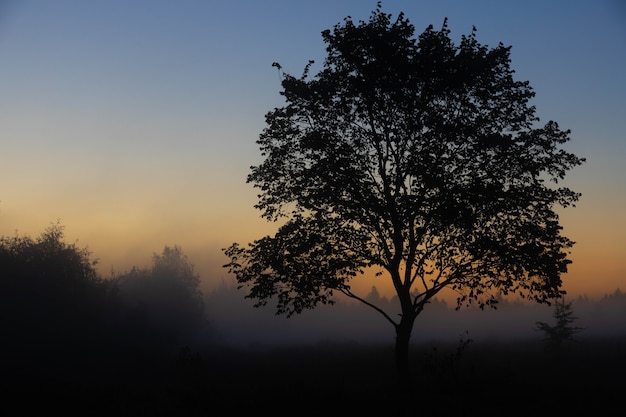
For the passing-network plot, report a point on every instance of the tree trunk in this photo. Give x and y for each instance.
(403, 337)
(404, 391)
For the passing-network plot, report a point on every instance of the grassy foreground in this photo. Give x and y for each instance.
(492, 379)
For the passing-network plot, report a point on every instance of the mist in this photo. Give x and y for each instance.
(238, 323)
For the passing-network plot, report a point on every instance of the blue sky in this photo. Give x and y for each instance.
(134, 122)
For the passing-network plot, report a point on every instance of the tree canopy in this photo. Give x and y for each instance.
(417, 156)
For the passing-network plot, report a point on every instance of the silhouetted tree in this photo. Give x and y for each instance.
(563, 330)
(53, 303)
(417, 157)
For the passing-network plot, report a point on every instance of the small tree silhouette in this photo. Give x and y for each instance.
(563, 330)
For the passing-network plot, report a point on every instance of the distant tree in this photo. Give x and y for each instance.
(617, 295)
(167, 295)
(563, 330)
(419, 158)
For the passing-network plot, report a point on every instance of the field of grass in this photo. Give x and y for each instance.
(488, 379)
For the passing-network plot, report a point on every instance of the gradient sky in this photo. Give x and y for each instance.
(133, 123)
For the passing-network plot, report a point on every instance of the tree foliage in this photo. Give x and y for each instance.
(47, 262)
(47, 279)
(416, 156)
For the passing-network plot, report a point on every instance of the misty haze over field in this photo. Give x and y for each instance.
(238, 323)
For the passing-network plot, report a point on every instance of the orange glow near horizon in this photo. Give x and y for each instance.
(127, 230)
(118, 248)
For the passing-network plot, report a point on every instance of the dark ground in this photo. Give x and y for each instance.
(489, 379)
